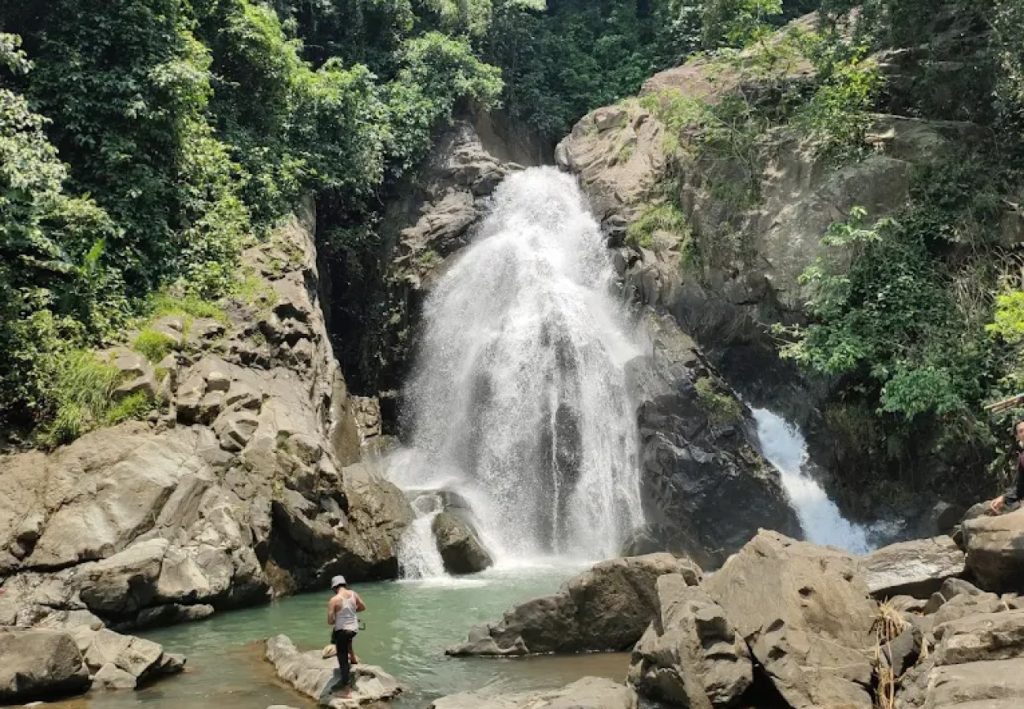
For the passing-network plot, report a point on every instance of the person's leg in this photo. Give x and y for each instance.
(342, 644)
(344, 649)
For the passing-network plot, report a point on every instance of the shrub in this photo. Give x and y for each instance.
(661, 217)
(153, 344)
(80, 390)
(134, 406)
(721, 407)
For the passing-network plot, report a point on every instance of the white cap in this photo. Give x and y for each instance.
(338, 580)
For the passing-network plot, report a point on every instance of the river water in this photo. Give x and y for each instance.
(408, 625)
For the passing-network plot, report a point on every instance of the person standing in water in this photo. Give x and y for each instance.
(341, 616)
(1011, 499)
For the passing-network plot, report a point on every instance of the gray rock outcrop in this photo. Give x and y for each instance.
(247, 482)
(697, 457)
(995, 550)
(585, 693)
(914, 568)
(39, 664)
(317, 677)
(690, 656)
(806, 615)
(459, 545)
(605, 608)
(978, 661)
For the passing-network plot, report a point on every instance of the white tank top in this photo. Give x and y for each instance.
(345, 616)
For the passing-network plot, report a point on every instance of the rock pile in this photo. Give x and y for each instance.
(786, 623)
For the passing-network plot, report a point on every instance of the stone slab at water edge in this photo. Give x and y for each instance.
(585, 693)
(317, 677)
(606, 608)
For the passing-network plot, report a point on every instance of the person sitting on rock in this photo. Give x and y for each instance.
(1010, 500)
(341, 616)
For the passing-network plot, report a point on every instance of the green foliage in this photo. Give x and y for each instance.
(723, 408)
(581, 54)
(80, 387)
(737, 23)
(838, 114)
(436, 71)
(665, 217)
(166, 303)
(153, 344)
(132, 407)
(1008, 318)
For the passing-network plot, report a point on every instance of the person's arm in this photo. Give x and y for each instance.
(332, 611)
(360, 606)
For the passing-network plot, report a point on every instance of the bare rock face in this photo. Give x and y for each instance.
(317, 677)
(915, 568)
(995, 550)
(806, 615)
(237, 490)
(690, 655)
(585, 693)
(697, 457)
(605, 608)
(39, 664)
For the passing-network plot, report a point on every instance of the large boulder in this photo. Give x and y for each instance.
(39, 664)
(690, 656)
(914, 568)
(698, 456)
(995, 550)
(459, 545)
(585, 693)
(978, 661)
(806, 615)
(605, 608)
(119, 661)
(318, 677)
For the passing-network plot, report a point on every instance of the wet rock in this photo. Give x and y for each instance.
(318, 677)
(585, 693)
(916, 568)
(690, 655)
(995, 551)
(697, 458)
(460, 546)
(605, 608)
(806, 615)
(39, 664)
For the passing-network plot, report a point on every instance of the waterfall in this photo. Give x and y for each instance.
(517, 400)
(417, 554)
(785, 448)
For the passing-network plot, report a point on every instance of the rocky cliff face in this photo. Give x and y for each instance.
(733, 269)
(250, 480)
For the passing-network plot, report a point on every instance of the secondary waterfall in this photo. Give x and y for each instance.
(785, 448)
(518, 401)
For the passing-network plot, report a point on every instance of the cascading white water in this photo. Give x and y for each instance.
(518, 399)
(418, 554)
(785, 448)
